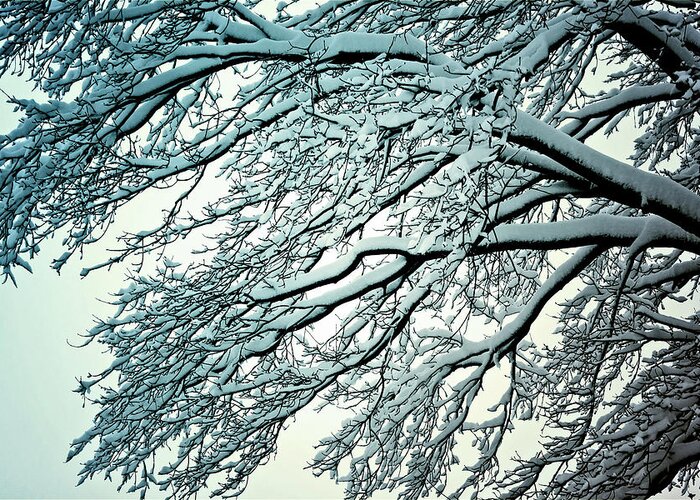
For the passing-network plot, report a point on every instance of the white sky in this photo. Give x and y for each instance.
(41, 415)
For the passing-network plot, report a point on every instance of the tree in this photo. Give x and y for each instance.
(384, 196)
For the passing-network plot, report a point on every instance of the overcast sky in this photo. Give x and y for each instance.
(39, 320)
(41, 415)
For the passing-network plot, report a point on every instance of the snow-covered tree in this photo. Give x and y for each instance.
(382, 196)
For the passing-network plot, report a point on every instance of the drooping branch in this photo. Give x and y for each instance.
(388, 196)
(621, 182)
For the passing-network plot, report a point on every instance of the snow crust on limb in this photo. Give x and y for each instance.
(385, 196)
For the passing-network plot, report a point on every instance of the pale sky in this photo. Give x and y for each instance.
(41, 415)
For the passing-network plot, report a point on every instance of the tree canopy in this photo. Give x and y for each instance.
(383, 197)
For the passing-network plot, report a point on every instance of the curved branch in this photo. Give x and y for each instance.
(621, 182)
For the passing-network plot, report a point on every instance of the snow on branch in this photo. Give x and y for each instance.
(389, 206)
